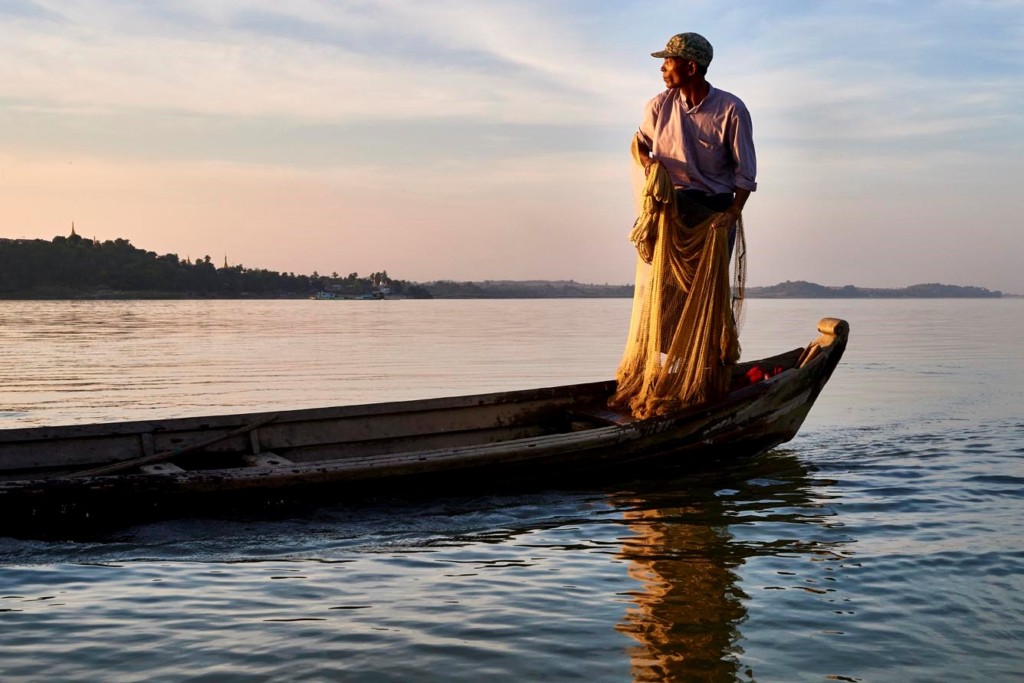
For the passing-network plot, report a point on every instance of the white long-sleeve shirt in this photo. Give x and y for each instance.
(709, 147)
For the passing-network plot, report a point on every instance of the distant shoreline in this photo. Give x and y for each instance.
(76, 268)
(801, 289)
(533, 289)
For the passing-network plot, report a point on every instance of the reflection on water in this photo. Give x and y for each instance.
(643, 582)
(858, 555)
(689, 605)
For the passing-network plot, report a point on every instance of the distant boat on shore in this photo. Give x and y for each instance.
(376, 294)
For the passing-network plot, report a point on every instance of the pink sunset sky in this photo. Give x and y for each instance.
(489, 140)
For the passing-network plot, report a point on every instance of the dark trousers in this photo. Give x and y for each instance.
(711, 202)
(714, 202)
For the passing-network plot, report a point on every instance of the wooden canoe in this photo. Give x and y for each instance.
(51, 477)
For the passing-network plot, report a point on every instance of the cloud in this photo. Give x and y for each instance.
(316, 62)
(26, 9)
(444, 110)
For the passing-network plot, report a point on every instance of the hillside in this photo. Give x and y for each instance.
(809, 290)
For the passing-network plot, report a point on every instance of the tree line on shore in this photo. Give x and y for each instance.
(76, 267)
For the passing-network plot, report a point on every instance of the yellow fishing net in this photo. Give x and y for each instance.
(683, 334)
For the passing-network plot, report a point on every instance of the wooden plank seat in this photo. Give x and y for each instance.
(161, 468)
(266, 459)
(600, 415)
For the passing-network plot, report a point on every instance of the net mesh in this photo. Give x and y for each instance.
(683, 333)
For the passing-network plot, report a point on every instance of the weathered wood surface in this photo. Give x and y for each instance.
(531, 435)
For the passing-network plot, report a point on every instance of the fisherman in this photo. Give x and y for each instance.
(700, 134)
(695, 144)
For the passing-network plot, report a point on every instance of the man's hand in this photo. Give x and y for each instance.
(726, 219)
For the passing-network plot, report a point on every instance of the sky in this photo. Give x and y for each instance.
(488, 139)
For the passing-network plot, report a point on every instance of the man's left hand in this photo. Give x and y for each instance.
(726, 219)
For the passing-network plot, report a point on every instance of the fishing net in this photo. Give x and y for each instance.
(683, 333)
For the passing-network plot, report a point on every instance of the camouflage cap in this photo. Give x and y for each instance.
(692, 46)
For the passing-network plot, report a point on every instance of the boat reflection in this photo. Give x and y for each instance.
(688, 607)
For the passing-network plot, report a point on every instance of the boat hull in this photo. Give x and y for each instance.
(59, 478)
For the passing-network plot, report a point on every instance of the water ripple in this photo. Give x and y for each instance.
(858, 553)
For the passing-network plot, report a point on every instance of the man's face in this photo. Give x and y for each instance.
(676, 71)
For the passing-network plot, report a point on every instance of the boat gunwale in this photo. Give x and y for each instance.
(230, 420)
(579, 440)
(466, 456)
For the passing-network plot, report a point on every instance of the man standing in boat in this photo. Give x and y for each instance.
(695, 145)
(702, 135)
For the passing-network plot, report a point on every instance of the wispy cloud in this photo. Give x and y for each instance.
(316, 62)
(525, 103)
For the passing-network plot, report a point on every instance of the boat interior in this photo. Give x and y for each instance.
(327, 434)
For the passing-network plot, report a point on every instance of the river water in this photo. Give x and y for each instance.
(884, 543)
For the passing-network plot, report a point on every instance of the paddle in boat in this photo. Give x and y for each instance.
(125, 472)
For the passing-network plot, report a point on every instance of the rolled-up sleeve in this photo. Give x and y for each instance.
(647, 123)
(742, 144)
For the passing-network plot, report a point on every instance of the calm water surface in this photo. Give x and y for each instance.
(884, 543)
